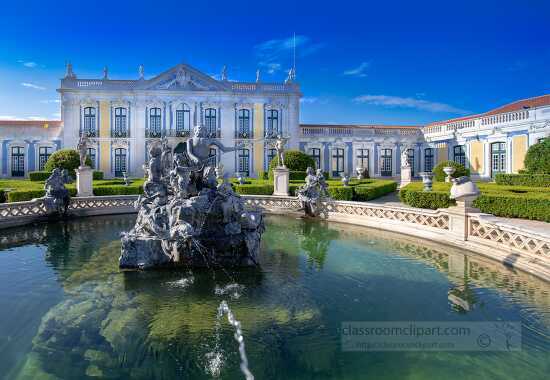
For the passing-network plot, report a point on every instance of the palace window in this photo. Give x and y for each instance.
(212, 157)
(271, 153)
(89, 122)
(315, 153)
(428, 159)
(244, 162)
(44, 152)
(363, 158)
(386, 162)
(244, 131)
(410, 156)
(183, 121)
(498, 158)
(155, 125)
(459, 155)
(210, 121)
(17, 161)
(272, 123)
(120, 162)
(120, 123)
(337, 162)
(92, 155)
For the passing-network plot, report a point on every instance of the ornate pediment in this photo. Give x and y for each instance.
(184, 78)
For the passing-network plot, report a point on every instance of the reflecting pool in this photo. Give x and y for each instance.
(67, 312)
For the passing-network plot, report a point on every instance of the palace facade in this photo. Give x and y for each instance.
(123, 117)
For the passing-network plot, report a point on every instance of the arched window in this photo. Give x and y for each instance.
(244, 162)
(210, 122)
(337, 162)
(272, 123)
(244, 131)
(92, 156)
(155, 124)
(120, 162)
(428, 159)
(89, 122)
(17, 161)
(183, 121)
(459, 155)
(44, 152)
(120, 123)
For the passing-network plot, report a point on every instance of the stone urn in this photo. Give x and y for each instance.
(345, 180)
(360, 171)
(427, 180)
(449, 170)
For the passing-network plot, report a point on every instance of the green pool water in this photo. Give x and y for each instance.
(67, 312)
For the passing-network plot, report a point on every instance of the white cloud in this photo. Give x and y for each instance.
(36, 118)
(49, 101)
(313, 100)
(359, 71)
(8, 117)
(29, 64)
(32, 85)
(271, 53)
(400, 102)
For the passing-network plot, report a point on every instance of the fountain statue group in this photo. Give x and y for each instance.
(185, 217)
(312, 191)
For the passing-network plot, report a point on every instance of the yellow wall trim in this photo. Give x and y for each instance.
(476, 157)
(519, 149)
(258, 133)
(105, 131)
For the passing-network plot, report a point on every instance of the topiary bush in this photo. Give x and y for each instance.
(367, 192)
(341, 193)
(118, 190)
(27, 195)
(39, 176)
(65, 159)
(295, 161)
(537, 159)
(254, 189)
(460, 170)
(2, 196)
(433, 200)
(97, 175)
(532, 180)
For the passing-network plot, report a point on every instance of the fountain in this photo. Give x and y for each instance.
(186, 218)
(312, 191)
(57, 198)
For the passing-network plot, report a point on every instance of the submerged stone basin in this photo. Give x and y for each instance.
(66, 311)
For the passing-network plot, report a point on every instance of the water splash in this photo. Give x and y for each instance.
(182, 283)
(224, 309)
(233, 290)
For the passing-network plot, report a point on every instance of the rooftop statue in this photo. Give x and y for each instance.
(57, 197)
(186, 218)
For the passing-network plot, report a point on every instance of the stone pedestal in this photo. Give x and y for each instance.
(84, 178)
(458, 216)
(406, 176)
(281, 180)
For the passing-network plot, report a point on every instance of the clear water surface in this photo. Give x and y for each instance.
(67, 312)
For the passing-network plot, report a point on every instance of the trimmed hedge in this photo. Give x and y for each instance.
(118, 190)
(439, 174)
(534, 180)
(341, 193)
(363, 193)
(27, 195)
(505, 201)
(295, 161)
(39, 176)
(2, 196)
(254, 189)
(44, 175)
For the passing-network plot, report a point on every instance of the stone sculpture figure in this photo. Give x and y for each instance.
(323, 186)
(405, 159)
(82, 146)
(311, 192)
(186, 218)
(166, 157)
(280, 148)
(57, 197)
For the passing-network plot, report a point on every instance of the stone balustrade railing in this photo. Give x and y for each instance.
(481, 233)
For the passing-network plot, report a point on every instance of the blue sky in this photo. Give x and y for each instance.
(387, 62)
